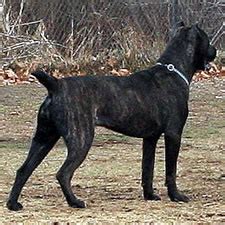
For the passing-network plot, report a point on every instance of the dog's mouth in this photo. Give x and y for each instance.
(211, 55)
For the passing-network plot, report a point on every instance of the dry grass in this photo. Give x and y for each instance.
(109, 179)
(127, 48)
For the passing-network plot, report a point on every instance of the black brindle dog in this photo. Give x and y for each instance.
(144, 105)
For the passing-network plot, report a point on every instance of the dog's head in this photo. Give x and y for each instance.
(204, 51)
(197, 45)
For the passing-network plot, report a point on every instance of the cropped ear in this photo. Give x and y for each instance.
(176, 29)
(193, 32)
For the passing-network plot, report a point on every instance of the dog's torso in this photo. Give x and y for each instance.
(140, 105)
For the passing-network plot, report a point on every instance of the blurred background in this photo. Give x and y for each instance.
(98, 36)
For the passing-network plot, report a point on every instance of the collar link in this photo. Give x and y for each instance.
(172, 68)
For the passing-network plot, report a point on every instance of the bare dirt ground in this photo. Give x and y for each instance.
(109, 179)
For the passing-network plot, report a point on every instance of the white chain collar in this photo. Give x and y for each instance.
(171, 68)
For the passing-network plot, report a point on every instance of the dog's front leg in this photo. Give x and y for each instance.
(149, 146)
(172, 142)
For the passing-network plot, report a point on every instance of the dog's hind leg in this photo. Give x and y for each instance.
(149, 146)
(43, 141)
(78, 143)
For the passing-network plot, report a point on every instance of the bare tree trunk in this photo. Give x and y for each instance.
(1, 15)
(1, 30)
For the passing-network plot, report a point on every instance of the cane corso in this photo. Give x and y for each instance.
(145, 104)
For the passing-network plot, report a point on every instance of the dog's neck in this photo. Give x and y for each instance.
(182, 57)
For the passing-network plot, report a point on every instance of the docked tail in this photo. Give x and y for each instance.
(47, 80)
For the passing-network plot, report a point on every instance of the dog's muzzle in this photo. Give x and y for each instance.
(211, 55)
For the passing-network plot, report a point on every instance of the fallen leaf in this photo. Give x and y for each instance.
(114, 72)
(123, 72)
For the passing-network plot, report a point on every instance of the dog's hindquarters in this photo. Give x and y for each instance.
(74, 122)
(78, 139)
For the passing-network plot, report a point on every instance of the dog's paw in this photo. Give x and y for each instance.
(14, 206)
(152, 197)
(178, 197)
(77, 204)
